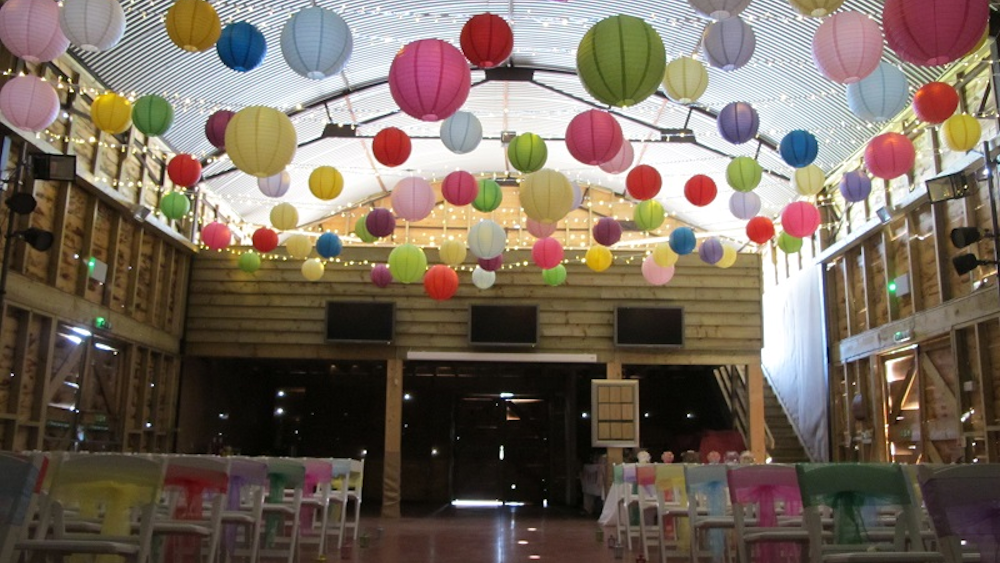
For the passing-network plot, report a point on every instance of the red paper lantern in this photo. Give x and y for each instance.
(800, 219)
(184, 170)
(889, 155)
(700, 190)
(760, 229)
(486, 40)
(265, 240)
(935, 102)
(607, 231)
(459, 188)
(934, 32)
(643, 182)
(216, 235)
(594, 137)
(440, 282)
(391, 146)
(547, 253)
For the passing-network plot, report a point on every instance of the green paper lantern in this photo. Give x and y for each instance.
(527, 153)
(490, 196)
(407, 263)
(648, 215)
(789, 244)
(743, 174)
(555, 276)
(152, 115)
(621, 60)
(175, 205)
(362, 231)
(249, 262)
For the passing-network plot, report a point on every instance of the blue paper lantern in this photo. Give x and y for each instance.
(880, 95)
(710, 250)
(328, 245)
(241, 46)
(799, 148)
(738, 122)
(682, 240)
(855, 186)
(316, 42)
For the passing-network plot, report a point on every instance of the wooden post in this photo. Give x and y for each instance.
(755, 391)
(392, 466)
(614, 371)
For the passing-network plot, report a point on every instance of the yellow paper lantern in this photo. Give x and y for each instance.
(452, 252)
(261, 141)
(809, 180)
(298, 246)
(599, 258)
(326, 182)
(729, 255)
(111, 113)
(816, 8)
(284, 216)
(961, 132)
(193, 25)
(546, 195)
(685, 80)
(664, 256)
(313, 269)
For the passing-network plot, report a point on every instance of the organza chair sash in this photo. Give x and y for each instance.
(714, 493)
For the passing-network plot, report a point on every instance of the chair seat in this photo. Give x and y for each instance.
(79, 546)
(884, 557)
(181, 527)
(775, 535)
(234, 517)
(715, 522)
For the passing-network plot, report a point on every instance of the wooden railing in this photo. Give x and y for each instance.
(732, 382)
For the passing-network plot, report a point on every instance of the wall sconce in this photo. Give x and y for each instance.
(965, 263)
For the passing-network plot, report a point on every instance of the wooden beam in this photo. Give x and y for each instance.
(131, 293)
(942, 261)
(877, 389)
(847, 269)
(985, 387)
(86, 246)
(392, 468)
(153, 295)
(755, 392)
(614, 372)
(889, 267)
(18, 368)
(113, 266)
(867, 288)
(40, 406)
(59, 212)
(913, 265)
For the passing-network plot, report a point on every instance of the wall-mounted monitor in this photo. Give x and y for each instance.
(503, 325)
(366, 322)
(649, 326)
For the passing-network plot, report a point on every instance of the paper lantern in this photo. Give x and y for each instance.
(621, 60)
(728, 44)
(361, 231)
(607, 231)
(489, 196)
(760, 230)
(664, 256)
(685, 80)
(152, 115)
(329, 245)
(598, 258)
(540, 230)
(298, 246)
(193, 25)
(682, 240)
(486, 40)
(284, 216)
(789, 244)
(92, 25)
(817, 8)
(961, 132)
(440, 282)
(216, 235)
(483, 279)
(935, 102)
(621, 161)
(111, 113)
(719, 9)
(710, 250)
(241, 46)
(808, 181)
(413, 199)
(452, 252)
(880, 95)
(249, 262)
(261, 141)
(656, 274)
(312, 270)
(643, 182)
(429, 79)
(490, 264)
(215, 128)
(700, 190)
(889, 155)
(799, 148)
(546, 196)
(855, 186)
(743, 174)
(407, 263)
(459, 188)
(527, 152)
(462, 132)
(744, 205)
(175, 205)
(265, 240)
(555, 276)
(933, 32)
(391, 146)
(594, 137)
(547, 253)
(486, 239)
(380, 222)
(648, 215)
(30, 30)
(316, 43)
(729, 256)
(29, 103)
(381, 276)
(847, 47)
(326, 182)
(738, 122)
(800, 219)
(275, 186)
(184, 170)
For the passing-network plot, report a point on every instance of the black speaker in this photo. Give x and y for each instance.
(53, 167)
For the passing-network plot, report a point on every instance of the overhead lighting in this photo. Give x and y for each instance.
(81, 331)
(950, 186)
(965, 263)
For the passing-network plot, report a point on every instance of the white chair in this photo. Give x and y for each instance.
(963, 502)
(316, 495)
(191, 485)
(336, 522)
(355, 481)
(709, 512)
(673, 511)
(243, 516)
(282, 508)
(767, 509)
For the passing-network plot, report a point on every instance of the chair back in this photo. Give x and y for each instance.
(768, 489)
(964, 503)
(191, 478)
(284, 474)
(357, 477)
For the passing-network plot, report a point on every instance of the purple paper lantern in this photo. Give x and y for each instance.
(855, 186)
(540, 230)
(429, 79)
(728, 44)
(30, 30)
(215, 128)
(381, 276)
(738, 122)
(29, 103)
(744, 205)
(710, 250)
(491, 264)
(380, 222)
(607, 231)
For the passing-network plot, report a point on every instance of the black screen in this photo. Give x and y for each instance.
(360, 321)
(503, 325)
(649, 326)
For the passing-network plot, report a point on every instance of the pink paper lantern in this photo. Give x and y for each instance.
(30, 30)
(29, 103)
(381, 276)
(380, 222)
(607, 231)
(656, 274)
(847, 47)
(889, 155)
(539, 229)
(216, 235)
(800, 219)
(215, 127)
(621, 161)
(934, 32)
(429, 79)
(547, 253)
(594, 137)
(491, 264)
(459, 188)
(413, 199)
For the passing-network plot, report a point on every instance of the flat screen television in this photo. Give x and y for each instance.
(649, 326)
(371, 322)
(503, 325)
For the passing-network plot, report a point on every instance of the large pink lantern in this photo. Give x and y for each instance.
(934, 32)
(459, 188)
(429, 79)
(656, 274)
(216, 235)
(413, 199)
(889, 155)
(538, 229)
(847, 47)
(30, 30)
(621, 161)
(29, 103)
(547, 253)
(594, 137)
(800, 219)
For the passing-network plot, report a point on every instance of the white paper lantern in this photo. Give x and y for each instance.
(92, 25)
(316, 42)
(880, 95)
(275, 186)
(462, 132)
(483, 279)
(744, 205)
(487, 239)
(729, 43)
(719, 9)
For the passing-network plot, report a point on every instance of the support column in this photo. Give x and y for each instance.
(392, 466)
(755, 393)
(614, 371)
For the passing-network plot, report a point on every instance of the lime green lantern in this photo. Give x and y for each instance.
(152, 115)
(621, 60)
(249, 262)
(743, 174)
(555, 276)
(175, 205)
(789, 244)
(407, 263)
(361, 230)
(527, 153)
(490, 196)
(648, 215)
